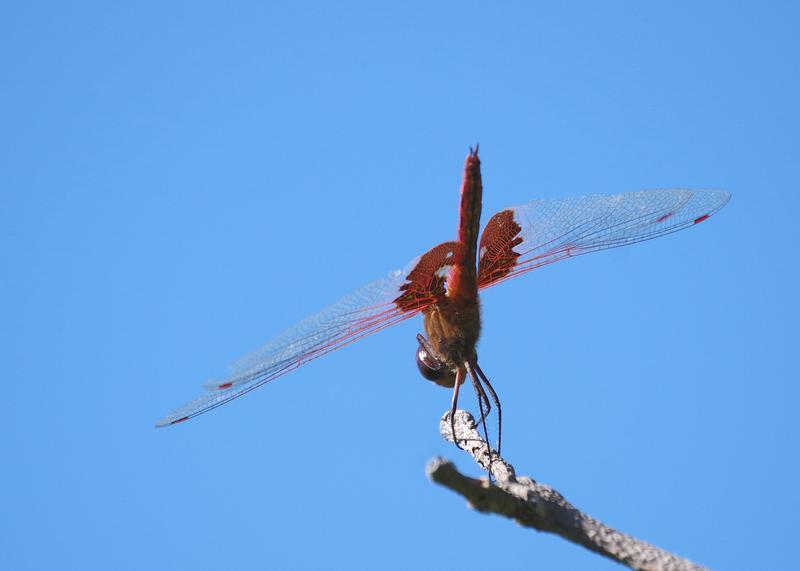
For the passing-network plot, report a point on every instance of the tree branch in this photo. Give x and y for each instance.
(539, 506)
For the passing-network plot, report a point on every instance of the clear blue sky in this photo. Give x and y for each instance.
(181, 181)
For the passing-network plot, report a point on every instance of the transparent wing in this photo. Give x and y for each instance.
(364, 311)
(522, 238)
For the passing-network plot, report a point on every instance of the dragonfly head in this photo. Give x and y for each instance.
(432, 368)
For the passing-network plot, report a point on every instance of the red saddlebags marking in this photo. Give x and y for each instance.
(443, 283)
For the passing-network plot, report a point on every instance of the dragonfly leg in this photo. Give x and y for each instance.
(480, 394)
(483, 401)
(496, 404)
(459, 379)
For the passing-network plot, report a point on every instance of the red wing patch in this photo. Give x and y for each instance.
(496, 255)
(425, 284)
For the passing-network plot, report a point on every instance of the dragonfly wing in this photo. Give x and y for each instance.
(522, 238)
(379, 304)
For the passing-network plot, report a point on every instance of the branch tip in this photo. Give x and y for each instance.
(537, 505)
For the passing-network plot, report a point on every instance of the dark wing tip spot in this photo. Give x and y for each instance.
(701, 218)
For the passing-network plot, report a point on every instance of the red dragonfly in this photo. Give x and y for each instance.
(443, 284)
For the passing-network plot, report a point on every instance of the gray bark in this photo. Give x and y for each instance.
(539, 506)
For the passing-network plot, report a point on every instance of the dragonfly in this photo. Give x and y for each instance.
(443, 285)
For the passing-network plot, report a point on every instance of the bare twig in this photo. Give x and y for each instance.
(539, 506)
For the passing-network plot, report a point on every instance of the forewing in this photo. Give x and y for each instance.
(522, 238)
(366, 310)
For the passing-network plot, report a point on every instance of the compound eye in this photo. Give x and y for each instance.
(429, 366)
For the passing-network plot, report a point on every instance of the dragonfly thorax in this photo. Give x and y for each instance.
(453, 332)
